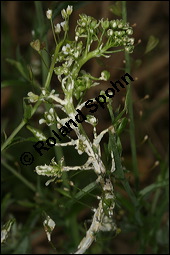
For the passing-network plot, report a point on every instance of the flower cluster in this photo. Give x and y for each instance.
(49, 118)
(73, 54)
(117, 32)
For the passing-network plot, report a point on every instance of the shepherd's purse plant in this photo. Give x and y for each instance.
(93, 39)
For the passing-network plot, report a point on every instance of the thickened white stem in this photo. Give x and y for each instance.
(101, 221)
(93, 230)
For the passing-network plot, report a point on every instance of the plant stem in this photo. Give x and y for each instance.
(49, 76)
(13, 135)
(130, 109)
(20, 126)
(19, 176)
(47, 84)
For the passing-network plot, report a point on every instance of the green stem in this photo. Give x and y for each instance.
(47, 84)
(19, 176)
(130, 109)
(52, 26)
(45, 59)
(50, 73)
(20, 126)
(13, 135)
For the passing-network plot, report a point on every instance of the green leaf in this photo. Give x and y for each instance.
(20, 67)
(121, 126)
(152, 43)
(12, 83)
(63, 192)
(116, 8)
(23, 246)
(5, 203)
(26, 203)
(27, 110)
(137, 63)
(86, 190)
(18, 139)
(152, 187)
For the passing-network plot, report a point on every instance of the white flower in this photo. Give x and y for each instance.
(76, 54)
(32, 97)
(33, 33)
(69, 9)
(41, 121)
(49, 117)
(114, 24)
(51, 111)
(43, 92)
(49, 14)
(131, 41)
(66, 49)
(110, 32)
(105, 75)
(57, 28)
(129, 31)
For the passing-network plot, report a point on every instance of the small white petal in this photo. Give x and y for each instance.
(51, 111)
(41, 121)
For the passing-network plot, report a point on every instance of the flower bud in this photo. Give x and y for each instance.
(49, 14)
(69, 10)
(110, 32)
(129, 49)
(64, 14)
(129, 31)
(113, 23)
(105, 75)
(57, 28)
(64, 25)
(32, 97)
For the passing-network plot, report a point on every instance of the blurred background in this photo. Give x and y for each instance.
(150, 97)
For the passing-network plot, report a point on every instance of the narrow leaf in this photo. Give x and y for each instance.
(152, 43)
(19, 67)
(116, 8)
(152, 187)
